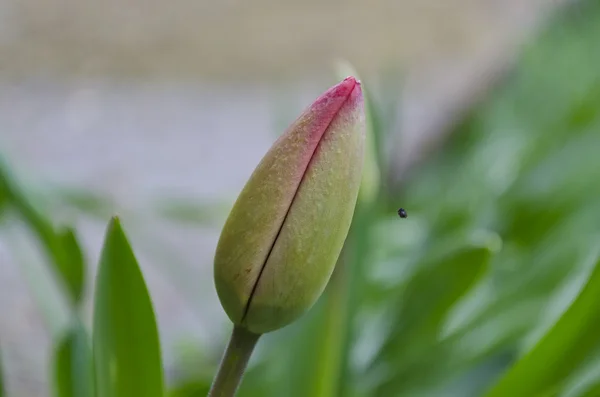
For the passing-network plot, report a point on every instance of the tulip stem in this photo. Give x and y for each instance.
(234, 362)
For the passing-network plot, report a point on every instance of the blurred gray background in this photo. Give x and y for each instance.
(143, 100)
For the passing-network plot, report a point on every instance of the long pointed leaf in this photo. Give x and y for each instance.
(560, 351)
(127, 357)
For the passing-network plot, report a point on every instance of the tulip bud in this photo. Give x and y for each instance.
(285, 232)
(371, 176)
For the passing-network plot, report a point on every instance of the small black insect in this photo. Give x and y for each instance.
(402, 213)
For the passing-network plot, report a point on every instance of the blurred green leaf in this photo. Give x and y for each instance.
(348, 290)
(127, 357)
(72, 267)
(193, 372)
(560, 351)
(62, 248)
(192, 212)
(431, 293)
(585, 379)
(313, 364)
(195, 388)
(592, 390)
(417, 316)
(4, 199)
(90, 203)
(265, 378)
(73, 372)
(41, 281)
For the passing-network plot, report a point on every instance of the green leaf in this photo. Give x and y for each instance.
(419, 314)
(127, 357)
(195, 388)
(312, 365)
(192, 212)
(73, 372)
(433, 290)
(560, 351)
(61, 248)
(71, 266)
(592, 391)
(90, 203)
(4, 199)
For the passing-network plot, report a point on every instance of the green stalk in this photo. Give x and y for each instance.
(234, 363)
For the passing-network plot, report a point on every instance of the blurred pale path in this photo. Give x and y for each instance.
(113, 96)
(446, 51)
(248, 39)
